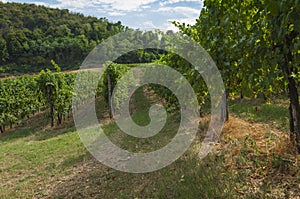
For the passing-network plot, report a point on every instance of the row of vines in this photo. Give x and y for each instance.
(51, 91)
(256, 47)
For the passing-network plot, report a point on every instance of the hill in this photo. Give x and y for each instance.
(31, 36)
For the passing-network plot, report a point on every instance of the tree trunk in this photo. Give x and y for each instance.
(292, 129)
(51, 106)
(224, 113)
(294, 110)
(109, 95)
(59, 118)
(51, 114)
(288, 67)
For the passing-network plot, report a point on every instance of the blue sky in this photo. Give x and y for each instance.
(142, 14)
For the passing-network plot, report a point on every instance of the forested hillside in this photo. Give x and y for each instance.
(32, 36)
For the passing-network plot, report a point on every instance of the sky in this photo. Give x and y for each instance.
(137, 14)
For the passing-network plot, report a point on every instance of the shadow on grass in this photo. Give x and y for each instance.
(26, 127)
(275, 114)
(12, 135)
(50, 133)
(38, 125)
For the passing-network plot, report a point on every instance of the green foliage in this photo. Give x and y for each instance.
(19, 97)
(22, 96)
(34, 35)
(244, 38)
(255, 45)
(57, 89)
(146, 45)
(3, 50)
(115, 72)
(139, 56)
(85, 83)
(189, 72)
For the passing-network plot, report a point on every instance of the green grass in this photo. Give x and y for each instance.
(34, 161)
(276, 114)
(141, 117)
(26, 163)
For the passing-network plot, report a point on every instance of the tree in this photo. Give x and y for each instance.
(282, 20)
(223, 30)
(256, 47)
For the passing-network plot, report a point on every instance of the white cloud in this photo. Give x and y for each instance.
(148, 25)
(180, 10)
(146, 7)
(180, 1)
(185, 20)
(115, 14)
(169, 26)
(186, 11)
(40, 3)
(115, 5)
(71, 4)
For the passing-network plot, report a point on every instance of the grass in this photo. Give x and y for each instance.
(39, 162)
(42, 162)
(141, 117)
(27, 163)
(275, 114)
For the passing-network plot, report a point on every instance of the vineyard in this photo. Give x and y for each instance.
(52, 162)
(245, 77)
(253, 146)
(53, 92)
